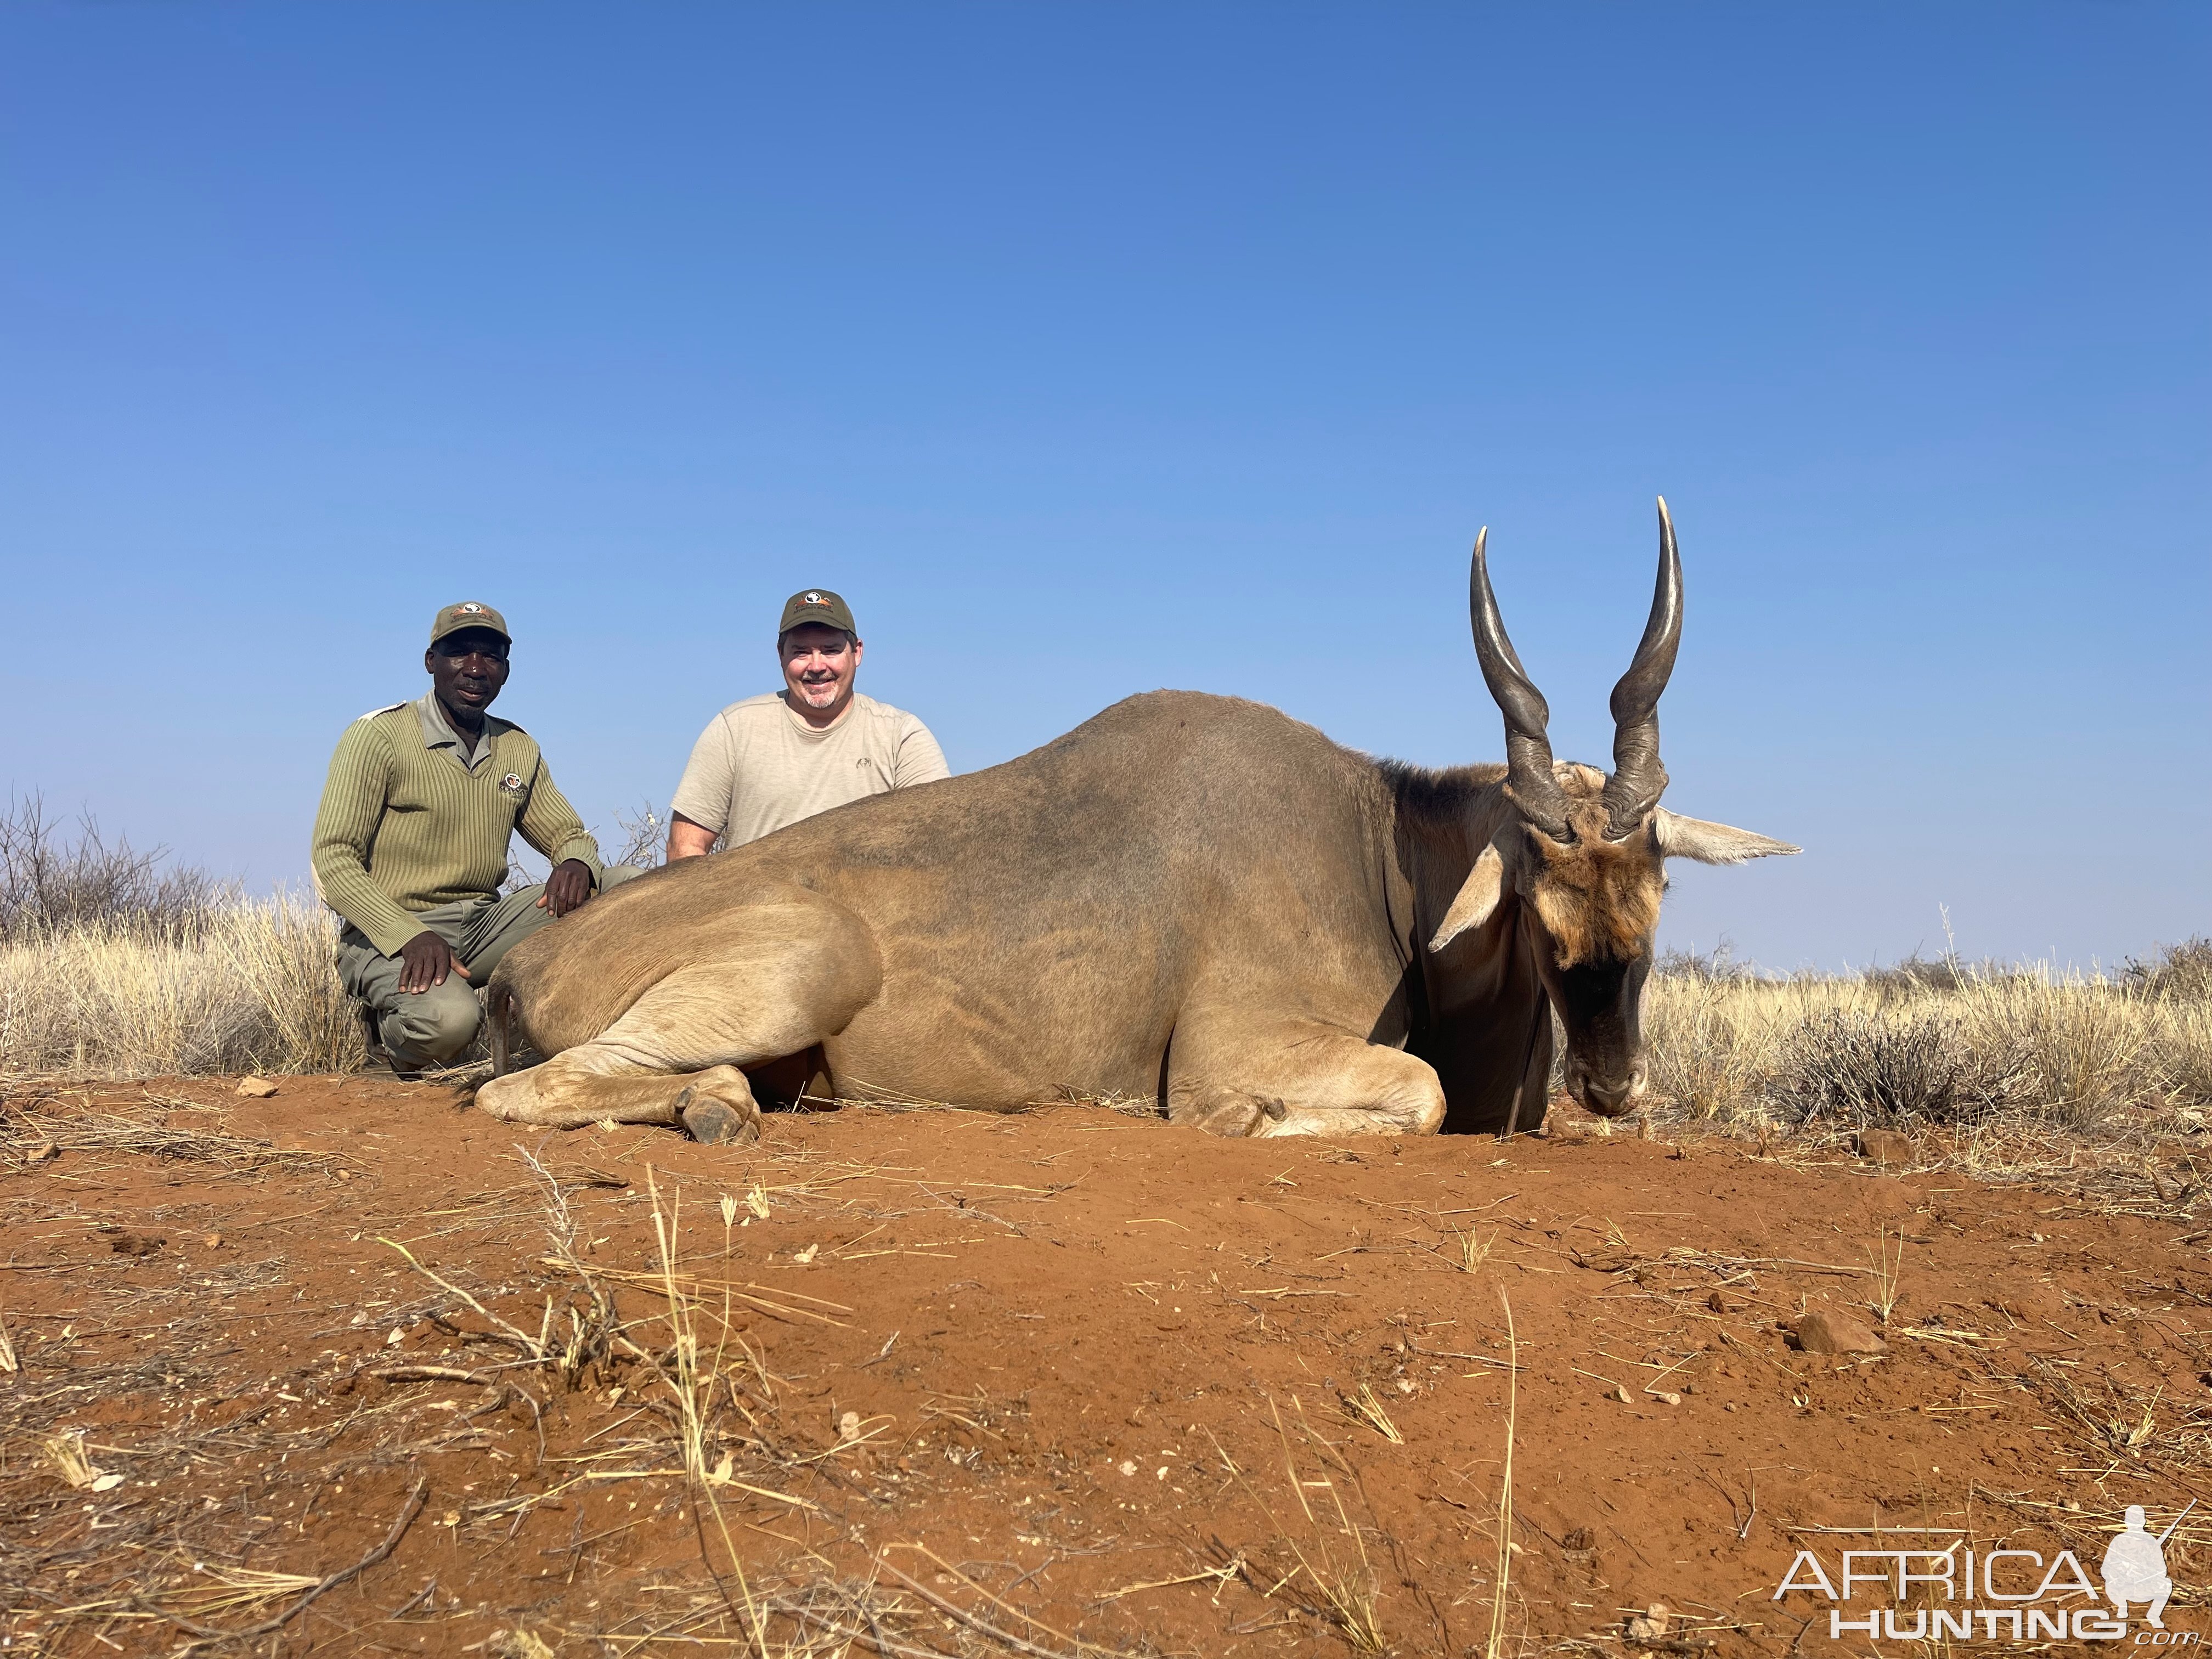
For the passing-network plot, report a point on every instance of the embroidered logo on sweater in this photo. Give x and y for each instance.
(511, 783)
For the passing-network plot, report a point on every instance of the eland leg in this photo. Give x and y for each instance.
(713, 1104)
(1295, 1077)
(674, 1057)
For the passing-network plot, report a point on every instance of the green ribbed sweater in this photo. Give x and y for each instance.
(404, 827)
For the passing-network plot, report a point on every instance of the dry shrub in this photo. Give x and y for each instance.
(1914, 975)
(644, 839)
(1865, 1070)
(639, 840)
(2183, 972)
(1718, 964)
(49, 885)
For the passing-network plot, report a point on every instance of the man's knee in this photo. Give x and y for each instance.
(431, 1025)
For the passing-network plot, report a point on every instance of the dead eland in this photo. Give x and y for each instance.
(1189, 897)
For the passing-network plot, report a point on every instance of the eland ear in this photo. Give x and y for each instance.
(1712, 843)
(1478, 897)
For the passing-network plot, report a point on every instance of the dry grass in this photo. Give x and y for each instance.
(1337, 1586)
(1365, 1408)
(1888, 1254)
(703, 1423)
(2030, 1047)
(1495, 1645)
(35, 1127)
(116, 963)
(236, 988)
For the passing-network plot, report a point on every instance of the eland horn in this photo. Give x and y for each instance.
(1527, 747)
(1637, 777)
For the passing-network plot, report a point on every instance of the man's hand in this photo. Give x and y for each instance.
(568, 887)
(425, 960)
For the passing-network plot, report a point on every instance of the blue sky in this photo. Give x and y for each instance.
(1089, 350)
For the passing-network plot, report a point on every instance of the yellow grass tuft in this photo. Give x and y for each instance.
(1495, 1645)
(1365, 1407)
(1889, 1263)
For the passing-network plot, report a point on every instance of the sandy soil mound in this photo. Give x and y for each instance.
(341, 1366)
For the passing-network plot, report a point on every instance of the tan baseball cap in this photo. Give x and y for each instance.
(469, 614)
(816, 604)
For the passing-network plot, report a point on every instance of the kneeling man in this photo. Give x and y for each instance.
(784, 755)
(410, 845)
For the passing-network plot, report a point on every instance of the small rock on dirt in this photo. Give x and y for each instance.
(1722, 1303)
(1668, 1398)
(1883, 1146)
(43, 1151)
(518, 1644)
(213, 1241)
(1620, 1393)
(1649, 1624)
(1832, 1331)
(848, 1427)
(256, 1088)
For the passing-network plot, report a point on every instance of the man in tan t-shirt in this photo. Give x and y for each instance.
(784, 755)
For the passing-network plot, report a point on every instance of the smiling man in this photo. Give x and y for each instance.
(784, 755)
(410, 845)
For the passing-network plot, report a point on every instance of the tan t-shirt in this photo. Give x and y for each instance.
(758, 767)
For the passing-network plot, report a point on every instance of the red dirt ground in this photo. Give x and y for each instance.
(1105, 1384)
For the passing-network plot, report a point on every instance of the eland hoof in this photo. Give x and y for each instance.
(711, 1123)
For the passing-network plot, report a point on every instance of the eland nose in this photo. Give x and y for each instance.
(1609, 1099)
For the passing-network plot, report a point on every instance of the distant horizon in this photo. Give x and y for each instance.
(1092, 349)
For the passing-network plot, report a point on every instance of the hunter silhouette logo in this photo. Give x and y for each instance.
(2008, 1595)
(2135, 1567)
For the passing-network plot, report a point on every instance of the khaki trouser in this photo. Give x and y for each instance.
(423, 1029)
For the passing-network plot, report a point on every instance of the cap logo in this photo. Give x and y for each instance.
(814, 598)
(472, 608)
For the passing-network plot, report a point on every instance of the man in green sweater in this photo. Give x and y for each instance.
(410, 845)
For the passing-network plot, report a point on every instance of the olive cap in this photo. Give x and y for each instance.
(816, 604)
(469, 614)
